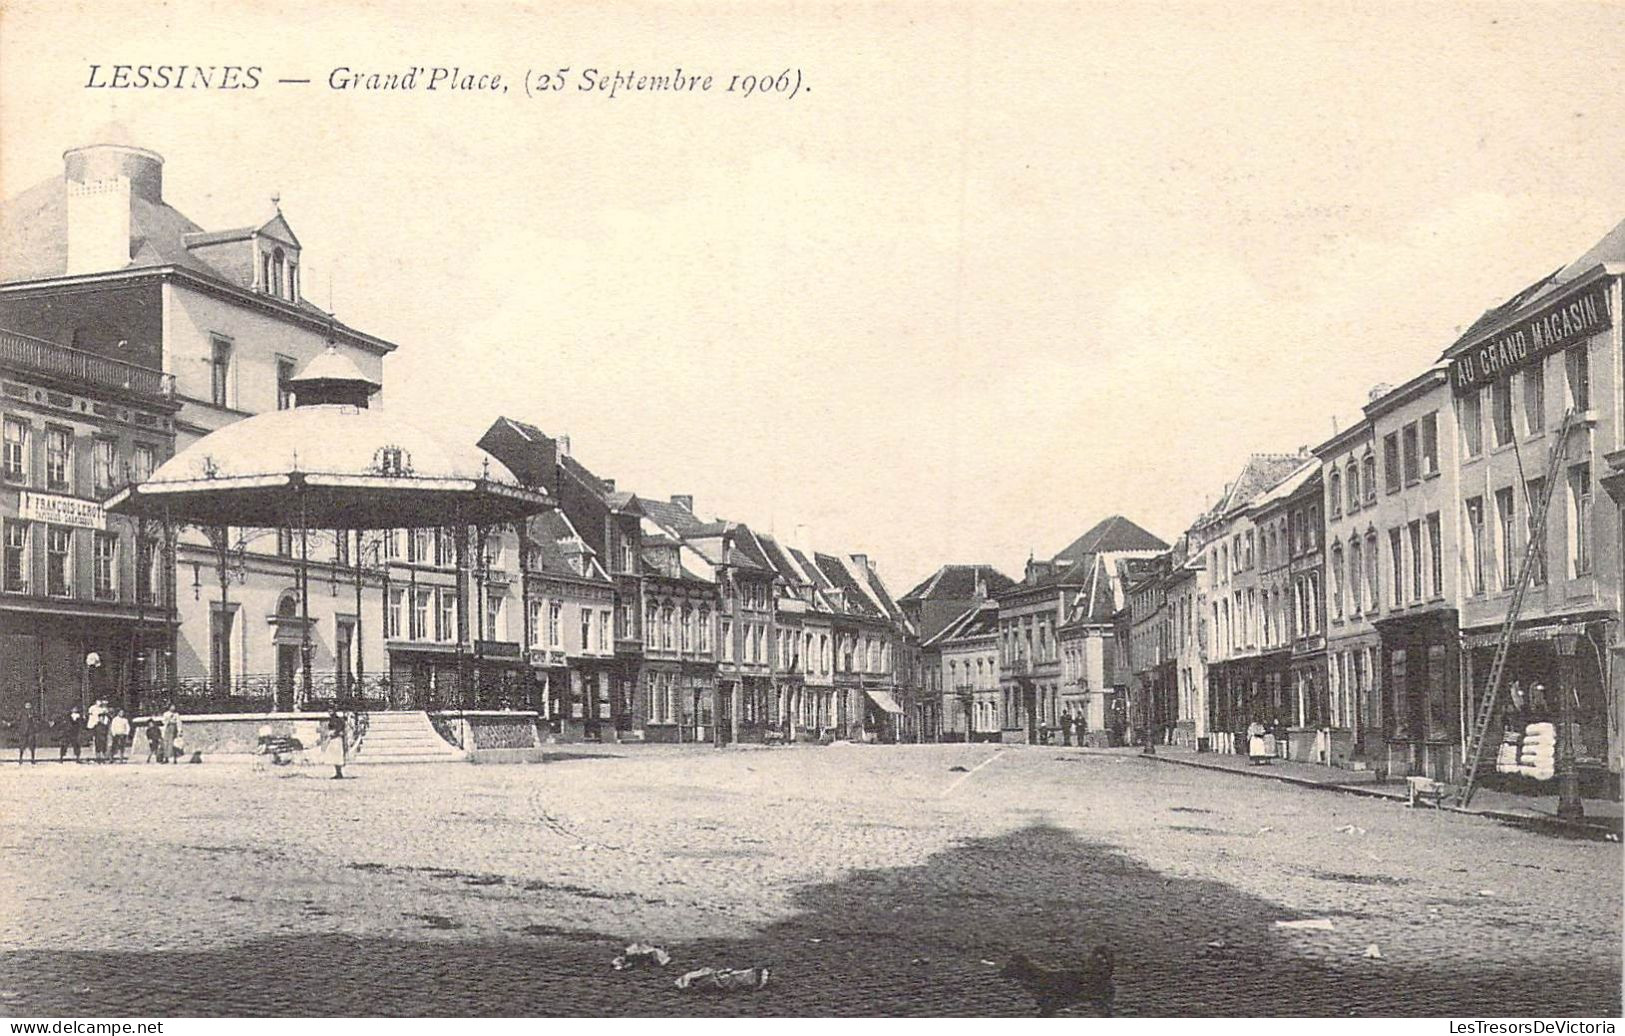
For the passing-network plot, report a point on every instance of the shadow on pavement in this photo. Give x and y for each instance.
(886, 942)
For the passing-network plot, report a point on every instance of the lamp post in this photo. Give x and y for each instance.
(1150, 736)
(1569, 806)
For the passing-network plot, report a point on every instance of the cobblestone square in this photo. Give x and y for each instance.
(872, 880)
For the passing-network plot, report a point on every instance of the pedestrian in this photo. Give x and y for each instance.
(155, 739)
(96, 722)
(1066, 729)
(1258, 751)
(119, 730)
(71, 732)
(334, 748)
(172, 731)
(27, 727)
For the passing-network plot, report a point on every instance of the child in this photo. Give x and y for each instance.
(155, 740)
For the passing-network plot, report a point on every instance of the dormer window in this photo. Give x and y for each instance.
(277, 262)
(293, 281)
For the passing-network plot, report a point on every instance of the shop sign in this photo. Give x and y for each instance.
(1569, 320)
(61, 510)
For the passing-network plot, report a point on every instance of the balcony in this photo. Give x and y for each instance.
(36, 354)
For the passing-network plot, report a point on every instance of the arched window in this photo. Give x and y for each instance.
(1354, 485)
(1337, 582)
(277, 260)
(1335, 494)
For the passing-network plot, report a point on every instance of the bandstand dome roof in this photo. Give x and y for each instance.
(330, 465)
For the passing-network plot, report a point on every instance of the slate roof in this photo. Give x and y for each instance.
(958, 582)
(1096, 601)
(980, 620)
(1261, 471)
(555, 541)
(843, 581)
(1289, 485)
(1109, 536)
(675, 517)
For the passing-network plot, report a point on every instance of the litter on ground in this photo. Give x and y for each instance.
(1372, 953)
(1350, 829)
(639, 954)
(724, 980)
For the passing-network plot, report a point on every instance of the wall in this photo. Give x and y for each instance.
(106, 314)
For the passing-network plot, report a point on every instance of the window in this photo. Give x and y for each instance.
(1501, 409)
(586, 629)
(727, 641)
(1475, 536)
(1396, 557)
(58, 457)
(1354, 486)
(1397, 693)
(392, 544)
(145, 461)
(417, 546)
(1337, 582)
(392, 621)
(555, 624)
(220, 370)
(705, 629)
(445, 616)
(420, 613)
(277, 262)
(220, 623)
(1311, 533)
(14, 570)
(1580, 519)
(1413, 462)
(1577, 365)
(533, 616)
(1472, 424)
(1534, 397)
(625, 554)
(1356, 576)
(106, 572)
(1368, 477)
(1415, 530)
(496, 618)
(103, 456)
(445, 547)
(149, 574)
(603, 631)
(284, 543)
(341, 547)
(1390, 461)
(1430, 444)
(265, 272)
(668, 627)
(58, 561)
(1535, 492)
(1506, 536)
(14, 457)
(1436, 553)
(284, 391)
(293, 281)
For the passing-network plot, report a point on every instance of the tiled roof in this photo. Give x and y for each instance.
(1111, 535)
(981, 620)
(958, 582)
(673, 516)
(555, 541)
(1289, 485)
(1096, 601)
(1261, 471)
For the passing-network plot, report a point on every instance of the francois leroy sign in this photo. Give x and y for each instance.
(61, 510)
(1567, 320)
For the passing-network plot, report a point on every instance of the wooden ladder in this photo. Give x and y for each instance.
(1489, 704)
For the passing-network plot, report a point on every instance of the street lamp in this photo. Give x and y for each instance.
(1569, 806)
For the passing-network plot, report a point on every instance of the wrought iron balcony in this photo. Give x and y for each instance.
(36, 354)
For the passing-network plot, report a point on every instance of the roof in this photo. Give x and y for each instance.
(979, 620)
(1611, 249)
(555, 542)
(1111, 535)
(958, 582)
(1096, 601)
(675, 517)
(1261, 471)
(1284, 489)
(854, 594)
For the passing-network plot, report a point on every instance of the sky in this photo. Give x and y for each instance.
(996, 272)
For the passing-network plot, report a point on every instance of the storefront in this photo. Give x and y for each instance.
(1421, 706)
(1537, 670)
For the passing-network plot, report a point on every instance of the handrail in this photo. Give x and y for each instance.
(104, 371)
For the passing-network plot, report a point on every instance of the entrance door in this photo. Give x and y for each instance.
(287, 667)
(725, 712)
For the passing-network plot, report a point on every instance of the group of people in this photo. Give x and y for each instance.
(107, 730)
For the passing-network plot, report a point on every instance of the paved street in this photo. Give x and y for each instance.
(873, 880)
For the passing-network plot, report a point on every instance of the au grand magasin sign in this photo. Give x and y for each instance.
(1561, 324)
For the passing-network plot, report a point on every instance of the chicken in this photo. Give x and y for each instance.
(1056, 989)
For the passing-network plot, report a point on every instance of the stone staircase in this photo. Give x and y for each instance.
(404, 737)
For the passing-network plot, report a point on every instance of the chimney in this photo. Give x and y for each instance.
(861, 560)
(101, 181)
(683, 500)
(609, 485)
(564, 445)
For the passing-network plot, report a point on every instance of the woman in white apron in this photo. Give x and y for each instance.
(1258, 747)
(334, 749)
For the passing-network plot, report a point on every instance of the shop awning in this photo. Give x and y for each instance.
(885, 701)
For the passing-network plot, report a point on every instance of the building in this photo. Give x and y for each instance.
(1072, 588)
(1230, 595)
(1292, 560)
(1186, 605)
(87, 607)
(1096, 666)
(1551, 349)
(1353, 645)
(97, 260)
(948, 593)
(967, 653)
(1410, 546)
(1151, 656)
